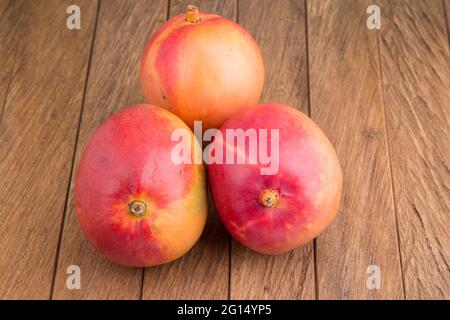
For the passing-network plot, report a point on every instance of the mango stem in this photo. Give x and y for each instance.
(192, 14)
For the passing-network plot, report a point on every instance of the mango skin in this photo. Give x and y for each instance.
(129, 158)
(204, 71)
(309, 183)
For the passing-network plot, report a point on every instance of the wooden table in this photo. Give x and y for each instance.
(381, 96)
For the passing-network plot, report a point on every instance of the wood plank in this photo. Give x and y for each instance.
(37, 138)
(11, 15)
(122, 30)
(416, 80)
(446, 4)
(346, 101)
(279, 29)
(203, 272)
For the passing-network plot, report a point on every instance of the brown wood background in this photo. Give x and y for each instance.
(381, 96)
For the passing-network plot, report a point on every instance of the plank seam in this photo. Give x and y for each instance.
(230, 244)
(229, 237)
(307, 57)
(141, 293)
(168, 10)
(237, 11)
(12, 71)
(5, 100)
(314, 247)
(386, 136)
(447, 26)
(66, 204)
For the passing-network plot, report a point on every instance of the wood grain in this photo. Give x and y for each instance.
(122, 30)
(11, 14)
(382, 97)
(37, 136)
(446, 4)
(279, 29)
(415, 63)
(203, 272)
(346, 101)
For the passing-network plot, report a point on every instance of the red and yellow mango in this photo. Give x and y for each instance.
(133, 203)
(277, 212)
(202, 67)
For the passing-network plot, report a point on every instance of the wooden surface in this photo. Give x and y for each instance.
(38, 130)
(381, 96)
(415, 69)
(203, 272)
(283, 46)
(346, 101)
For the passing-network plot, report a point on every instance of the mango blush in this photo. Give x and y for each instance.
(277, 212)
(133, 203)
